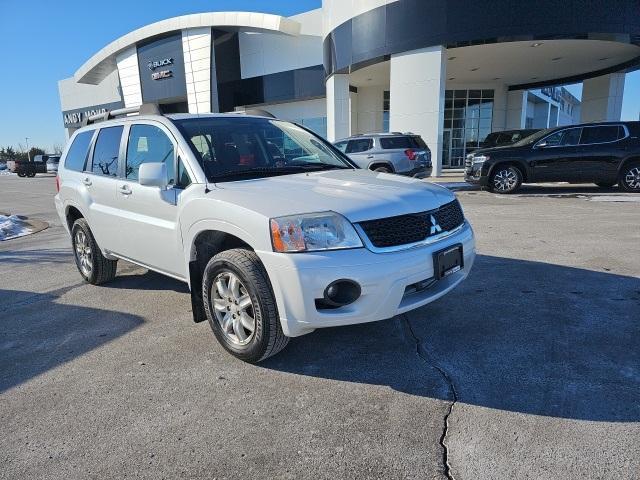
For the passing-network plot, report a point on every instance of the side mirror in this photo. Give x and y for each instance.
(153, 175)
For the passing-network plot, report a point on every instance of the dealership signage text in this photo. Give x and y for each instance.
(75, 118)
(162, 73)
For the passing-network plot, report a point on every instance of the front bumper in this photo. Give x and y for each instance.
(299, 279)
(473, 175)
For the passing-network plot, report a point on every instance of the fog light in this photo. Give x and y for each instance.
(341, 293)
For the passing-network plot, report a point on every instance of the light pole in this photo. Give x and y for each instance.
(28, 152)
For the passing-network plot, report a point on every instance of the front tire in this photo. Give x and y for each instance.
(505, 179)
(629, 180)
(94, 267)
(240, 306)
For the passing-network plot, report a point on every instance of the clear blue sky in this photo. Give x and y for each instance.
(44, 41)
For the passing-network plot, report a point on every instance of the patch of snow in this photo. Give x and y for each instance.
(6, 172)
(12, 226)
(614, 198)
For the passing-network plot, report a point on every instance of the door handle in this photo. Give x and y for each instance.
(369, 156)
(125, 190)
(86, 181)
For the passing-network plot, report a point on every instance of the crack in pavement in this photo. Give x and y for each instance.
(420, 351)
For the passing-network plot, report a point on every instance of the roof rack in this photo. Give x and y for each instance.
(144, 109)
(258, 112)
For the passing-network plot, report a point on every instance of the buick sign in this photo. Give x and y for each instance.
(159, 63)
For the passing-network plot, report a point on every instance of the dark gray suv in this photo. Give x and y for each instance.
(401, 153)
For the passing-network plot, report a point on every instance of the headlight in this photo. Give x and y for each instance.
(480, 158)
(312, 232)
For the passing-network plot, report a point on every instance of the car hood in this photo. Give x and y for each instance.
(498, 150)
(357, 194)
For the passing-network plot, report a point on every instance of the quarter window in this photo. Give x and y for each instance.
(148, 143)
(77, 154)
(183, 177)
(604, 134)
(107, 151)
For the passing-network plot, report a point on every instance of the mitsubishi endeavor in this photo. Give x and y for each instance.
(276, 232)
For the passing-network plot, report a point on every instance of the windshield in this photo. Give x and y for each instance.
(532, 138)
(237, 148)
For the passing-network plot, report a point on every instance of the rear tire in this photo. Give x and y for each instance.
(505, 179)
(629, 180)
(31, 174)
(240, 306)
(92, 265)
(382, 169)
(605, 184)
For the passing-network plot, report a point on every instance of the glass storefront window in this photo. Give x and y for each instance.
(467, 121)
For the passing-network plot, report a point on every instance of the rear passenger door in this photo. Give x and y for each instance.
(100, 180)
(601, 152)
(359, 150)
(149, 233)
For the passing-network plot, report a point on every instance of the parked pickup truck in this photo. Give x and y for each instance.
(29, 168)
(275, 230)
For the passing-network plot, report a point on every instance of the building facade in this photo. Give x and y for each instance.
(451, 71)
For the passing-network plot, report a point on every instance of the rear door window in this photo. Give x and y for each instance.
(603, 134)
(359, 145)
(107, 151)
(77, 154)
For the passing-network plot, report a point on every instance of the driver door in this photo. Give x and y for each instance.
(149, 228)
(556, 157)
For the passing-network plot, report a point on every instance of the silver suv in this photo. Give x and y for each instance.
(402, 153)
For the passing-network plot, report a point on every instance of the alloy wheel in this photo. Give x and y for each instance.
(233, 308)
(632, 178)
(84, 253)
(505, 180)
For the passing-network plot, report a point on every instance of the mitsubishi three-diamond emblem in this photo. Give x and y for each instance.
(435, 227)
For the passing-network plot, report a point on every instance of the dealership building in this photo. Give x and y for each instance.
(449, 70)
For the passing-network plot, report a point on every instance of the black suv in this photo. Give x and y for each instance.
(603, 153)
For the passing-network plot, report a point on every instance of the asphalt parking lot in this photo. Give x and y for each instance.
(530, 369)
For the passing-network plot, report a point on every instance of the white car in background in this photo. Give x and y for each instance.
(276, 232)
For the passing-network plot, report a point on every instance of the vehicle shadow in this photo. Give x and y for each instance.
(38, 333)
(518, 335)
(133, 277)
(566, 189)
(44, 255)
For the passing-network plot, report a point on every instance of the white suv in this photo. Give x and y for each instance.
(276, 232)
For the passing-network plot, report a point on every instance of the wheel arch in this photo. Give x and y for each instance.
(374, 165)
(204, 244)
(72, 213)
(626, 161)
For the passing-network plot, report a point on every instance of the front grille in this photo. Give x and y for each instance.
(413, 227)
